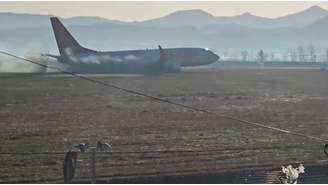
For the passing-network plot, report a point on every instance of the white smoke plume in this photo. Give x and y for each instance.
(96, 59)
(12, 65)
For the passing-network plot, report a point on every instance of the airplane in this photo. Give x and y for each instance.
(79, 59)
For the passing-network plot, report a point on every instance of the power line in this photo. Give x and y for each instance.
(32, 153)
(255, 124)
(132, 152)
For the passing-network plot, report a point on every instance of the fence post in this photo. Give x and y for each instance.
(93, 165)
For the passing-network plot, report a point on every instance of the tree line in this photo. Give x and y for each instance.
(299, 54)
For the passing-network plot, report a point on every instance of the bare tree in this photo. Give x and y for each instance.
(272, 58)
(244, 55)
(313, 56)
(284, 56)
(293, 56)
(301, 54)
(260, 56)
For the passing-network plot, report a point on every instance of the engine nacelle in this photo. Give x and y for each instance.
(172, 67)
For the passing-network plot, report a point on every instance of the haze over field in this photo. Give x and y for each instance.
(185, 28)
(250, 99)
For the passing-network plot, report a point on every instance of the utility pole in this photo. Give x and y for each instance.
(93, 165)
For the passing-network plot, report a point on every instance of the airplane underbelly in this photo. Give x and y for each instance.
(190, 62)
(107, 68)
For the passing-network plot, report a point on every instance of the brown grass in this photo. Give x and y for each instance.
(51, 113)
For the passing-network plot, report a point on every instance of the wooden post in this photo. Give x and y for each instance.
(93, 165)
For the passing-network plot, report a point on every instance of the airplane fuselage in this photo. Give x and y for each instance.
(79, 59)
(137, 61)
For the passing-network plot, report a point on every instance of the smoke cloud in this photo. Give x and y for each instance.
(11, 65)
(96, 59)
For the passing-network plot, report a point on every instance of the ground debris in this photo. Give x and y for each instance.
(290, 174)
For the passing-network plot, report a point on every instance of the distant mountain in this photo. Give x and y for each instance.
(109, 36)
(191, 18)
(317, 30)
(16, 21)
(195, 18)
(200, 18)
(191, 28)
(83, 20)
(247, 19)
(302, 18)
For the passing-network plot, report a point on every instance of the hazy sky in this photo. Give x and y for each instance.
(134, 10)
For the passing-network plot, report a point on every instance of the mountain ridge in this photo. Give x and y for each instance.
(192, 17)
(240, 32)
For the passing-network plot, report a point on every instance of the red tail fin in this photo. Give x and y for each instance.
(66, 43)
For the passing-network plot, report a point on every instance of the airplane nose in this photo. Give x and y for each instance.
(212, 57)
(216, 57)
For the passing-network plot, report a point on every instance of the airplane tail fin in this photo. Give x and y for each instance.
(66, 43)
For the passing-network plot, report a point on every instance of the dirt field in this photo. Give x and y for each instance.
(51, 113)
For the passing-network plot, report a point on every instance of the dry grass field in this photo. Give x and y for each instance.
(50, 113)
